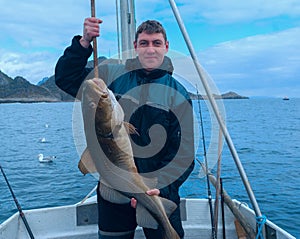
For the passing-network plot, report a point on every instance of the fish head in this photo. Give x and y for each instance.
(96, 106)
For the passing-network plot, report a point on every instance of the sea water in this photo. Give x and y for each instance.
(265, 132)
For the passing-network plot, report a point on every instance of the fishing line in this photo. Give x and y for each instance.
(213, 236)
(18, 205)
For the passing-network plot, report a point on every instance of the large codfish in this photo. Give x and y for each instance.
(109, 152)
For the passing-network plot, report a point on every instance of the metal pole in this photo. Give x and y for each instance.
(222, 208)
(127, 16)
(216, 110)
(132, 24)
(118, 31)
(22, 215)
(216, 212)
(124, 29)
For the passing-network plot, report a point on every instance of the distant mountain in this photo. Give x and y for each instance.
(57, 92)
(42, 81)
(21, 90)
(49, 83)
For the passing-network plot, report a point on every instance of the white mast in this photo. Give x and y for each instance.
(127, 18)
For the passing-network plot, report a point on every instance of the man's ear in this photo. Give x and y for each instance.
(135, 44)
(167, 46)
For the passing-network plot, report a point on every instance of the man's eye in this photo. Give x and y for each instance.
(143, 43)
(157, 43)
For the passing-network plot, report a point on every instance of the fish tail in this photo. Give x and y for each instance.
(170, 234)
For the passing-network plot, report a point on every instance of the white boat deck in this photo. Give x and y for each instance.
(80, 221)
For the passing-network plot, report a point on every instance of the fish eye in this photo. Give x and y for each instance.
(92, 105)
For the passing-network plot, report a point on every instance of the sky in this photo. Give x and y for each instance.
(250, 47)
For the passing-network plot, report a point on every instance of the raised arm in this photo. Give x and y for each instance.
(70, 69)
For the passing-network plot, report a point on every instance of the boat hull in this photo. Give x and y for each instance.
(80, 221)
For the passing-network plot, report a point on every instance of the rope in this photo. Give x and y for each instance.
(261, 222)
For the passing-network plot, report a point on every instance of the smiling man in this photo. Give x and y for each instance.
(151, 45)
(149, 96)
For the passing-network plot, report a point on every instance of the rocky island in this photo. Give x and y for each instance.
(22, 91)
(229, 95)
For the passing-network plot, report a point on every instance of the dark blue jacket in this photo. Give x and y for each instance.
(148, 99)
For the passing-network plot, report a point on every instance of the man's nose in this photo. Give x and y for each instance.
(150, 49)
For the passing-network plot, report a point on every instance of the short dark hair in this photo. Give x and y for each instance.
(151, 27)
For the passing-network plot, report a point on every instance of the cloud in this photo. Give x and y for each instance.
(257, 64)
(34, 35)
(45, 23)
(33, 67)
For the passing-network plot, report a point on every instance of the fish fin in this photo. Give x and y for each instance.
(144, 218)
(130, 128)
(112, 195)
(86, 163)
(168, 205)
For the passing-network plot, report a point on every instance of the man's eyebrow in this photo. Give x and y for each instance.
(155, 40)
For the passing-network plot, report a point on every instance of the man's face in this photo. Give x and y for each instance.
(151, 49)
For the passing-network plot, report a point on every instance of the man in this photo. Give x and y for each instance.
(150, 96)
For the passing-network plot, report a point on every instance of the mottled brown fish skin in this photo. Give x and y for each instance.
(103, 124)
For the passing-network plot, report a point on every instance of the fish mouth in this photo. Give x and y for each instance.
(97, 86)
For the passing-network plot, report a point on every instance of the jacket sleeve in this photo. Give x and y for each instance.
(70, 69)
